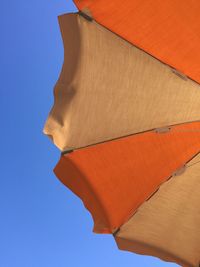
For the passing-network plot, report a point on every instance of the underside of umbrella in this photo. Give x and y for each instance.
(126, 117)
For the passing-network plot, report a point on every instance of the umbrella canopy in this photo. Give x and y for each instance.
(167, 225)
(108, 89)
(114, 178)
(127, 119)
(168, 30)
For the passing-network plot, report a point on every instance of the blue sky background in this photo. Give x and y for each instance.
(42, 224)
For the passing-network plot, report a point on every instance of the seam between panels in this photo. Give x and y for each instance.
(131, 214)
(133, 134)
(143, 50)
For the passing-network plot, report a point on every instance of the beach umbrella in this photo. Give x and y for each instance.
(126, 118)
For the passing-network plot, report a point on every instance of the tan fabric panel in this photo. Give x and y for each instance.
(168, 224)
(108, 88)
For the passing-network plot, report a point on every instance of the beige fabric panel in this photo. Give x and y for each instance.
(108, 89)
(168, 224)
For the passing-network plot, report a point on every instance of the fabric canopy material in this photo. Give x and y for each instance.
(108, 89)
(126, 117)
(167, 225)
(168, 30)
(114, 178)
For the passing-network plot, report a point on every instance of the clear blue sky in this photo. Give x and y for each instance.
(42, 224)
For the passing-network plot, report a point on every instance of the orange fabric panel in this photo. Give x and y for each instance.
(168, 30)
(114, 178)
